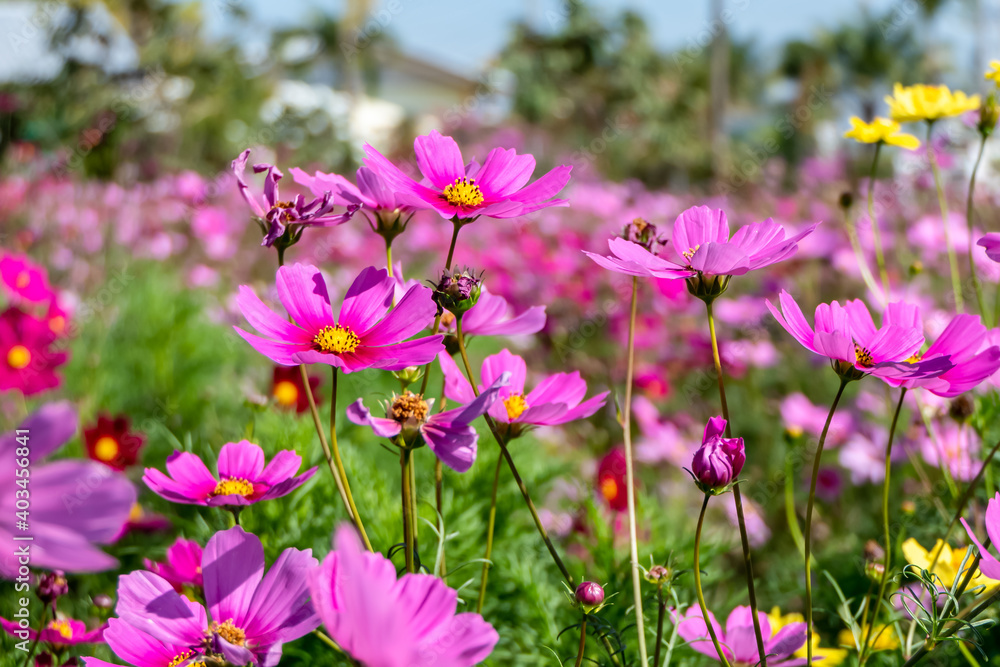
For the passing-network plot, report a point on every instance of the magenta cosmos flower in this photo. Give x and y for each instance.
(28, 362)
(25, 280)
(719, 460)
(75, 504)
(243, 478)
(182, 565)
(493, 316)
(250, 613)
(992, 244)
(60, 632)
(372, 191)
(277, 214)
(496, 189)
(848, 337)
(361, 603)
(366, 333)
(963, 343)
(557, 399)
(450, 434)
(988, 565)
(702, 245)
(739, 642)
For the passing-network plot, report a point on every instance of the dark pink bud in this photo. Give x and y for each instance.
(719, 460)
(590, 594)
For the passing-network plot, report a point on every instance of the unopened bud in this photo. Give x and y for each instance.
(589, 594)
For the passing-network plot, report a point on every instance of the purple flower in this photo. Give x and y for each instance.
(243, 478)
(372, 191)
(557, 399)
(182, 566)
(65, 525)
(738, 641)
(988, 565)
(493, 316)
(848, 337)
(366, 333)
(719, 460)
(992, 244)
(497, 189)
(277, 214)
(381, 621)
(702, 246)
(448, 434)
(250, 613)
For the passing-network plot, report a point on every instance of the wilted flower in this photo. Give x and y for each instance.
(908, 104)
(52, 586)
(457, 291)
(719, 460)
(644, 234)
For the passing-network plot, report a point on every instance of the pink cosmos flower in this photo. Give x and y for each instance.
(65, 526)
(988, 565)
(848, 337)
(493, 316)
(450, 434)
(182, 566)
(991, 242)
(719, 460)
(496, 189)
(800, 416)
(661, 440)
(363, 604)
(557, 399)
(739, 642)
(243, 478)
(28, 362)
(702, 245)
(366, 333)
(252, 613)
(953, 445)
(373, 191)
(59, 632)
(25, 280)
(278, 215)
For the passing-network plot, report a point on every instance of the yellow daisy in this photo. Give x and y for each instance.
(993, 74)
(881, 130)
(921, 102)
(884, 636)
(831, 656)
(948, 563)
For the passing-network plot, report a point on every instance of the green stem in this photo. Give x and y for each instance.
(987, 601)
(405, 461)
(969, 210)
(439, 505)
(859, 255)
(38, 637)
(793, 521)
(388, 258)
(335, 448)
(583, 641)
(510, 461)
(323, 637)
(633, 540)
(737, 495)
(697, 582)
(876, 234)
(809, 513)
(956, 280)
(887, 536)
(661, 608)
(437, 319)
(491, 524)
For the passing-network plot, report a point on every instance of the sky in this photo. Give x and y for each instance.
(463, 35)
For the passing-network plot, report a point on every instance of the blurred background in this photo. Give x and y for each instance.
(125, 89)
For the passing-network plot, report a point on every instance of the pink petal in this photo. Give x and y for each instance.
(302, 292)
(367, 300)
(504, 172)
(232, 565)
(242, 460)
(439, 159)
(414, 312)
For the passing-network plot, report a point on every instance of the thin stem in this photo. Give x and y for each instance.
(405, 460)
(809, 513)
(883, 580)
(583, 641)
(388, 258)
(956, 280)
(491, 524)
(859, 255)
(437, 319)
(987, 601)
(323, 637)
(876, 234)
(38, 637)
(335, 448)
(969, 210)
(737, 495)
(661, 607)
(439, 505)
(697, 582)
(633, 540)
(793, 521)
(510, 461)
(971, 572)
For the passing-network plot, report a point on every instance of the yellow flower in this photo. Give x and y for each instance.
(884, 636)
(994, 72)
(831, 656)
(921, 102)
(881, 129)
(948, 563)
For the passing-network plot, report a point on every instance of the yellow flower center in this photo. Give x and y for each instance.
(63, 628)
(915, 358)
(18, 357)
(23, 280)
(863, 357)
(135, 513)
(233, 486)
(515, 405)
(106, 448)
(336, 339)
(409, 406)
(689, 253)
(286, 393)
(464, 192)
(230, 633)
(609, 488)
(180, 657)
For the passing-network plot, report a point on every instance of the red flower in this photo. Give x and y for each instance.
(27, 360)
(611, 479)
(112, 442)
(289, 391)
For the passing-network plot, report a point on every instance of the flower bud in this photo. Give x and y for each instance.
(961, 408)
(644, 234)
(989, 113)
(457, 291)
(657, 574)
(408, 375)
(589, 594)
(102, 601)
(846, 200)
(52, 586)
(719, 460)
